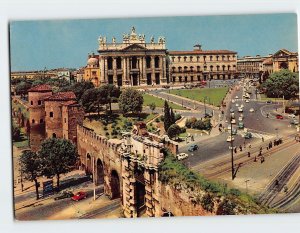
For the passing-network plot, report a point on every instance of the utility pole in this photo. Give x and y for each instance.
(204, 106)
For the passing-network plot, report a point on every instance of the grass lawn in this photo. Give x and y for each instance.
(111, 126)
(263, 97)
(214, 95)
(148, 99)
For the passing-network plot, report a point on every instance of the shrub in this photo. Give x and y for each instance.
(107, 134)
(198, 125)
(105, 128)
(157, 120)
(226, 207)
(177, 116)
(207, 202)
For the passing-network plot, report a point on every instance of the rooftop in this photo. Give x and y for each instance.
(41, 88)
(201, 52)
(64, 96)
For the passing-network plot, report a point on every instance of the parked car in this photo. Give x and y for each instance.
(63, 195)
(229, 139)
(278, 116)
(236, 97)
(247, 101)
(240, 109)
(251, 110)
(241, 125)
(248, 135)
(182, 156)
(292, 116)
(269, 101)
(233, 121)
(193, 148)
(234, 131)
(79, 196)
(231, 110)
(240, 118)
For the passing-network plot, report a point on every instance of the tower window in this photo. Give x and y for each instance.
(39, 102)
(54, 135)
(51, 114)
(41, 121)
(33, 121)
(31, 102)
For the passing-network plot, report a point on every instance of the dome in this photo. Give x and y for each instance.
(92, 61)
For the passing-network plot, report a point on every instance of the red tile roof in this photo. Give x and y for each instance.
(70, 102)
(64, 96)
(201, 52)
(41, 88)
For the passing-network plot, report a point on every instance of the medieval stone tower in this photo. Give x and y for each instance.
(36, 98)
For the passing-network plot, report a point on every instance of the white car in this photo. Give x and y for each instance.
(240, 110)
(247, 101)
(236, 97)
(251, 110)
(233, 121)
(236, 104)
(182, 156)
(229, 139)
(242, 105)
(292, 116)
(240, 118)
(233, 101)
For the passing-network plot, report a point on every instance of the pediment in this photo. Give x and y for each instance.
(282, 53)
(135, 47)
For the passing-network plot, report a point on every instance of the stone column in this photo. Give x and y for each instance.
(152, 70)
(128, 72)
(144, 70)
(105, 70)
(124, 67)
(114, 70)
(140, 65)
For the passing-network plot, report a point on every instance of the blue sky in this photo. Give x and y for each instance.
(66, 43)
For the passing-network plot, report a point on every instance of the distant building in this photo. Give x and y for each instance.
(284, 59)
(64, 74)
(92, 71)
(251, 67)
(197, 65)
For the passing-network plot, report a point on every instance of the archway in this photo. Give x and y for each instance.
(115, 185)
(283, 65)
(140, 191)
(100, 173)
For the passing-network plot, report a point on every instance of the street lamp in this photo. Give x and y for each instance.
(231, 144)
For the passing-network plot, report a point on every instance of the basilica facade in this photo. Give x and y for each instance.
(131, 62)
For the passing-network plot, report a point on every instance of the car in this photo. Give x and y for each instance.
(240, 110)
(240, 118)
(294, 122)
(63, 195)
(242, 106)
(229, 138)
(247, 101)
(182, 156)
(234, 131)
(241, 125)
(193, 148)
(248, 135)
(236, 104)
(251, 110)
(278, 116)
(79, 196)
(229, 128)
(269, 101)
(236, 97)
(233, 101)
(292, 116)
(233, 121)
(231, 110)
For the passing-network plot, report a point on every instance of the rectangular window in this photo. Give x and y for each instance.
(51, 114)
(65, 120)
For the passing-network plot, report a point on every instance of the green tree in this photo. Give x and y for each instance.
(131, 100)
(31, 168)
(173, 131)
(167, 117)
(58, 156)
(172, 116)
(16, 132)
(207, 202)
(152, 107)
(283, 83)
(89, 100)
(108, 94)
(22, 88)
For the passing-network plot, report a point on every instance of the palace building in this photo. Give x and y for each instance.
(132, 62)
(197, 65)
(251, 67)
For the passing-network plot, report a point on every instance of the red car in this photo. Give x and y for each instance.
(278, 116)
(79, 196)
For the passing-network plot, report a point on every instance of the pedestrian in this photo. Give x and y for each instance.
(235, 151)
(267, 147)
(250, 146)
(262, 139)
(260, 149)
(262, 159)
(255, 159)
(249, 154)
(244, 144)
(241, 148)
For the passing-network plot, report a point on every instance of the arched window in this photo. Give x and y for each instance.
(33, 121)
(31, 102)
(211, 68)
(185, 68)
(198, 68)
(39, 102)
(54, 135)
(192, 68)
(173, 69)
